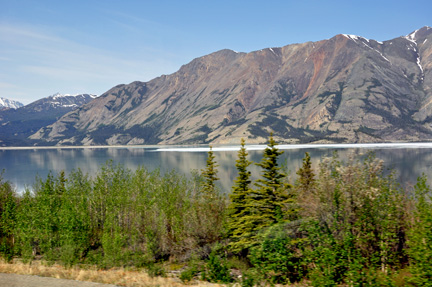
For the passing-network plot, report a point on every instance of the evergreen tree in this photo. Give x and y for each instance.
(259, 208)
(306, 176)
(239, 211)
(211, 203)
(271, 195)
(210, 174)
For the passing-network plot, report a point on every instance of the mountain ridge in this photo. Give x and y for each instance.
(343, 89)
(16, 125)
(9, 104)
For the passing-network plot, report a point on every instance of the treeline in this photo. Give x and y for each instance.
(345, 223)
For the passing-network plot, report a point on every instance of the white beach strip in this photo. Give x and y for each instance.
(301, 146)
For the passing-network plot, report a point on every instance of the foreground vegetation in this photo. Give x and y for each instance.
(345, 223)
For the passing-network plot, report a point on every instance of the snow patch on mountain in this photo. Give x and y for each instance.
(69, 100)
(412, 36)
(413, 46)
(61, 101)
(355, 37)
(366, 42)
(9, 104)
(58, 95)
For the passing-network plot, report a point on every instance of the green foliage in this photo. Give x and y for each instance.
(239, 209)
(8, 202)
(278, 257)
(242, 183)
(156, 270)
(347, 224)
(39, 224)
(217, 271)
(75, 225)
(189, 273)
(118, 218)
(357, 222)
(271, 197)
(210, 174)
(250, 278)
(252, 210)
(306, 176)
(420, 236)
(210, 204)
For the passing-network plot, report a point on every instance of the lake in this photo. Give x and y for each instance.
(22, 165)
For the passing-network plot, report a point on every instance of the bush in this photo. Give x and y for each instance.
(279, 257)
(217, 271)
(155, 270)
(189, 273)
(250, 278)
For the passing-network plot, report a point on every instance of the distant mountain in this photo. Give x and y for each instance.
(16, 125)
(344, 89)
(58, 102)
(9, 104)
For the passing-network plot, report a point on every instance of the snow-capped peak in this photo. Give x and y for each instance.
(9, 104)
(58, 95)
(418, 34)
(355, 37)
(61, 101)
(366, 42)
(411, 36)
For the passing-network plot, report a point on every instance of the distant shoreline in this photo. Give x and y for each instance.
(75, 147)
(205, 147)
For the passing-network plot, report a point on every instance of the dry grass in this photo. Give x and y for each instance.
(118, 276)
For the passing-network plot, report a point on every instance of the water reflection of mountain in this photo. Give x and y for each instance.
(22, 166)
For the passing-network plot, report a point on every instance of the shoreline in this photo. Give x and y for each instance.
(222, 147)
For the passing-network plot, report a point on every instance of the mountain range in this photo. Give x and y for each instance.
(9, 104)
(344, 89)
(17, 124)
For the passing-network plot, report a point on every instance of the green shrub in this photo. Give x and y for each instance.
(217, 271)
(250, 278)
(420, 236)
(155, 270)
(189, 273)
(279, 257)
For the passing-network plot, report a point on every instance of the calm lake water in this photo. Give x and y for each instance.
(21, 166)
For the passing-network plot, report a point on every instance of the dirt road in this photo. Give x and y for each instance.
(14, 280)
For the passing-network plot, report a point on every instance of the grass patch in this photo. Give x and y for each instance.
(116, 276)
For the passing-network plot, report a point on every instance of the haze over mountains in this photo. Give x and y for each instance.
(344, 89)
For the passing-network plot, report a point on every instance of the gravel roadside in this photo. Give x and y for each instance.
(15, 280)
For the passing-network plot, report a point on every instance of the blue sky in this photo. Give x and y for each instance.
(90, 46)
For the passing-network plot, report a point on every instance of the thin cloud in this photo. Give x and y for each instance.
(38, 54)
(5, 85)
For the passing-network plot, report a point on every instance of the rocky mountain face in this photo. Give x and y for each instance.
(16, 125)
(344, 89)
(9, 104)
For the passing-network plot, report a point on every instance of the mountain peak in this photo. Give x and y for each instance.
(419, 34)
(62, 101)
(58, 95)
(9, 104)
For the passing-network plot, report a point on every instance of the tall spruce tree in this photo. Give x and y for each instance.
(271, 196)
(239, 227)
(306, 176)
(210, 174)
(211, 204)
